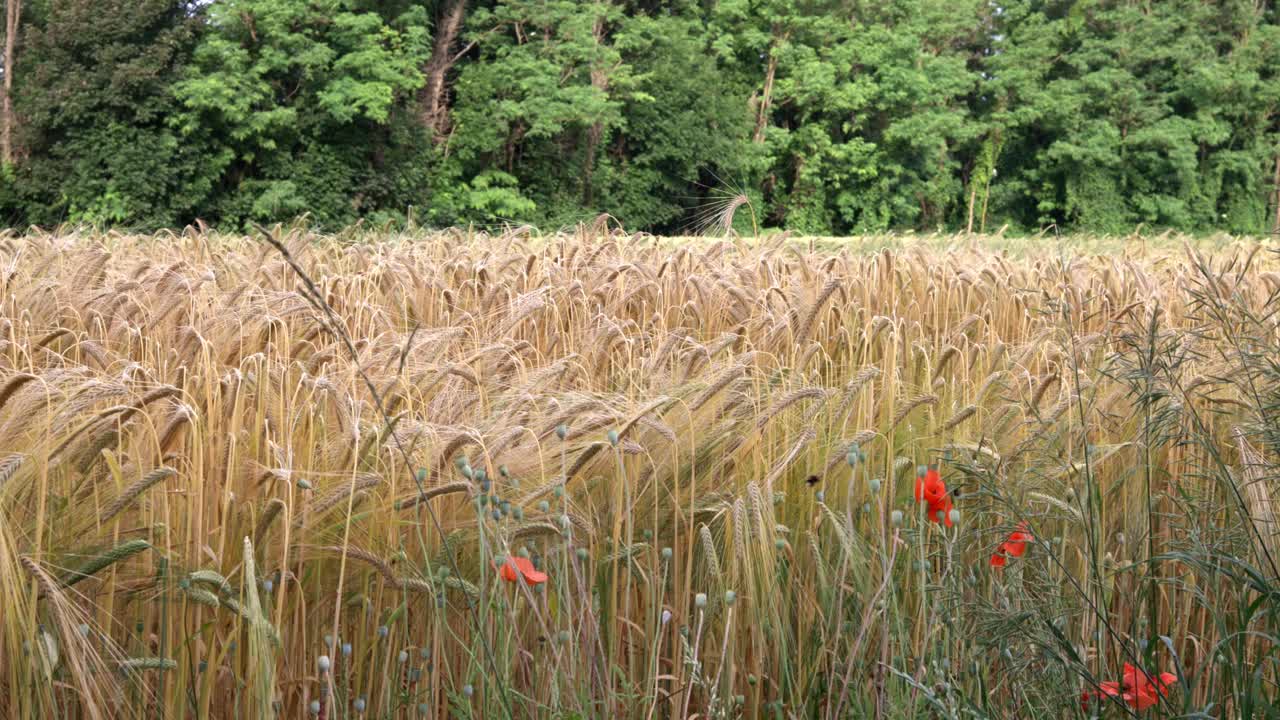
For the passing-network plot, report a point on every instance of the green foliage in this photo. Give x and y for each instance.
(835, 116)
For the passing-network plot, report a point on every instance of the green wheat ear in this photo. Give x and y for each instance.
(97, 563)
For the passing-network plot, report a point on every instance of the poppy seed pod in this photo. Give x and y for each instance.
(730, 597)
(666, 616)
(304, 484)
(315, 707)
(876, 484)
(402, 657)
(562, 431)
(468, 690)
(700, 600)
(383, 631)
(612, 436)
(582, 553)
(895, 517)
(467, 472)
(346, 649)
(822, 496)
(502, 470)
(954, 516)
(322, 664)
(667, 553)
(358, 705)
(422, 475)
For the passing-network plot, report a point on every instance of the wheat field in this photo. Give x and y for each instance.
(295, 476)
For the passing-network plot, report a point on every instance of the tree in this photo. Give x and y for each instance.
(301, 103)
(95, 100)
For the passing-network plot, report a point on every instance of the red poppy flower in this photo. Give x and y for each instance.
(1015, 546)
(1138, 689)
(526, 570)
(932, 490)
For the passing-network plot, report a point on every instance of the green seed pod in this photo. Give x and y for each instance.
(562, 431)
(895, 518)
(612, 435)
(582, 553)
(700, 600)
(730, 597)
(667, 553)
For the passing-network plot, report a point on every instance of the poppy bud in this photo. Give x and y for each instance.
(423, 708)
(612, 436)
(544, 506)
(358, 705)
(467, 472)
(822, 496)
(304, 484)
(502, 470)
(480, 476)
(421, 475)
(562, 431)
(582, 553)
(468, 690)
(954, 516)
(780, 544)
(383, 631)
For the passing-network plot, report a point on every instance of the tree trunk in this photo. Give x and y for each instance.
(12, 16)
(1275, 227)
(435, 107)
(599, 81)
(762, 115)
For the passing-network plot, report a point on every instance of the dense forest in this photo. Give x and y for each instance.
(830, 116)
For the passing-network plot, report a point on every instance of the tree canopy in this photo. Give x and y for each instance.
(830, 116)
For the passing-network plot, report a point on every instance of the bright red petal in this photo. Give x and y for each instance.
(530, 573)
(919, 488)
(998, 560)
